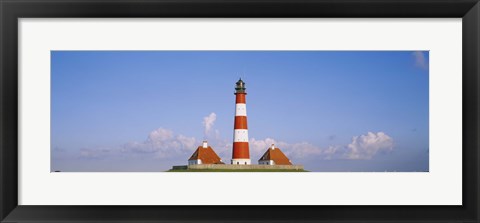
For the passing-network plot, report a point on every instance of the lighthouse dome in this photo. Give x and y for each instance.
(240, 86)
(240, 82)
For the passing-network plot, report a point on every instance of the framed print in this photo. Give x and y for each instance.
(135, 88)
(239, 111)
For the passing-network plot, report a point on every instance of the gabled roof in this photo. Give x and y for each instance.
(277, 156)
(207, 155)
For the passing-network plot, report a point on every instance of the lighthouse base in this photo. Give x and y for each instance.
(237, 168)
(240, 162)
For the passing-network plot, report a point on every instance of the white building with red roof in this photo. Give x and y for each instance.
(274, 156)
(204, 155)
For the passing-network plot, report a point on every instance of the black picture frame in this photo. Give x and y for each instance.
(12, 10)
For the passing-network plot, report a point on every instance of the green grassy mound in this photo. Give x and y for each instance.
(236, 170)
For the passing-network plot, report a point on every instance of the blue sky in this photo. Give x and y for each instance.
(327, 110)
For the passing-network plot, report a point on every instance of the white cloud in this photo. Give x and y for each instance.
(208, 123)
(332, 152)
(420, 60)
(292, 150)
(303, 150)
(361, 147)
(159, 135)
(222, 146)
(160, 144)
(258, 147)
(366, 146)
(163, 143)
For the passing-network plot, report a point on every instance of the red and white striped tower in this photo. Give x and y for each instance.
(241, 154)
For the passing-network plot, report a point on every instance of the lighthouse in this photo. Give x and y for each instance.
(240, 154)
